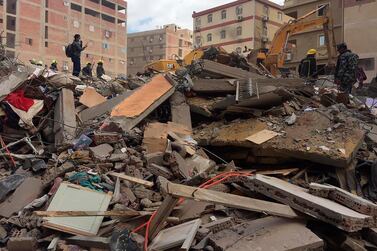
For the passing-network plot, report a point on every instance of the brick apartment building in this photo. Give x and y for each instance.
(166, 43)
(40, 29)
(239, 24)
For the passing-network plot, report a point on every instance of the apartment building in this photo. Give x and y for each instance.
(360, 29)
(312, 38)
(39, 29)
(239, 25)
(168, 42)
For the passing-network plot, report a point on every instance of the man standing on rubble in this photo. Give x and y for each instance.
(100, 70)
(77, 48)
(308, 66)
(346, 68)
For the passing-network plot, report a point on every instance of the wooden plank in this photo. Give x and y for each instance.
(225, 199)
(161, 215)
(132, 179)
(120, 213)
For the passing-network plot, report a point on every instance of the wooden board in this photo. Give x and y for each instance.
(262, 136)
(132, 179)
(142, 98)
(70, 197)
(91, 98)
(228, 200)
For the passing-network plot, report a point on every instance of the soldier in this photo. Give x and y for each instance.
(346, 68)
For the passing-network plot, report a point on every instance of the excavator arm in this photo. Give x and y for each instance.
(276, 56)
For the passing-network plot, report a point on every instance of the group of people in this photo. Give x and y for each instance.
(347, 72)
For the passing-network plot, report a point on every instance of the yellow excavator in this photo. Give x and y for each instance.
(274, 59)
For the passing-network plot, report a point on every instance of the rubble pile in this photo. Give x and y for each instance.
(217, 156)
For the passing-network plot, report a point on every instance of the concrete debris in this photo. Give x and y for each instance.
(215, 156)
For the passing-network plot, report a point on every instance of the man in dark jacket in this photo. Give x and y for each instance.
(346, 68)
(308, 66)
(87, 70)
(100, 70)
(77, 48)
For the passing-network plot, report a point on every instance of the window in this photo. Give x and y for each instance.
(280, 16)
(76, 7)
(198, 21)
(293, 14)
(367, 64)
(180, 42)
(223, 34)
(180, 52)
(265, 10)
(323, 10)
(46, 32)
(239, 31)
(209, 18)
(46, 44)
(29, 41)
(198, 40)
(209, 37)
(223, 14)
(161, 46)
(105, 45)
(46, 3)
(239, 10)
(265, 31)
(46, 16)
(322, 40)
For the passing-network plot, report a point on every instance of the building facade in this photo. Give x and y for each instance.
(314, 37)
(40, 29)
(169, 42)
(239, 25)
(360, 29)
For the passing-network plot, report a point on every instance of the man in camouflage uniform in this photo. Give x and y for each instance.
(346, 67)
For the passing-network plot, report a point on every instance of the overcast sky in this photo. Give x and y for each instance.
(149, 14)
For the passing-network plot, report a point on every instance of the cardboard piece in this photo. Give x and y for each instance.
(262, 136)
(70, 197)
(91, 98)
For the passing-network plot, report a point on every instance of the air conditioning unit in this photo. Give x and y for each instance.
(107, 34)
(265, 18)
(264, 39)
(239, 18)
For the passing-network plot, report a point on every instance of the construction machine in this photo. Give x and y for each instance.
(276, 55)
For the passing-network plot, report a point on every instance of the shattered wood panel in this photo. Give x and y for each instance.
(228, 71)
(318, 207)
(104, 107)
(65, 118)
(70, 197)
(270, 233)
(142, 98)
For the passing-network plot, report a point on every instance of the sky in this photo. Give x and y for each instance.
(151, 14)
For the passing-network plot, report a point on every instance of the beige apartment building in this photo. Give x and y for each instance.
(239, 25)
(312, 38)
(168, 42)
(360, 32)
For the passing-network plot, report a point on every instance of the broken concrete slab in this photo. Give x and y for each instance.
(101, 152)
(90, 242)
(180, 110)
(65, 119)
(10, 183)
(158, 170)
(91, 98)
(22, 244)
(217, 86)
(226, 71)
(29, 190)
(300, 199)
(270, 233)
(103, 108)
(344, 197)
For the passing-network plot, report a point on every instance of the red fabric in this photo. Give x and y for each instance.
(18, 100)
